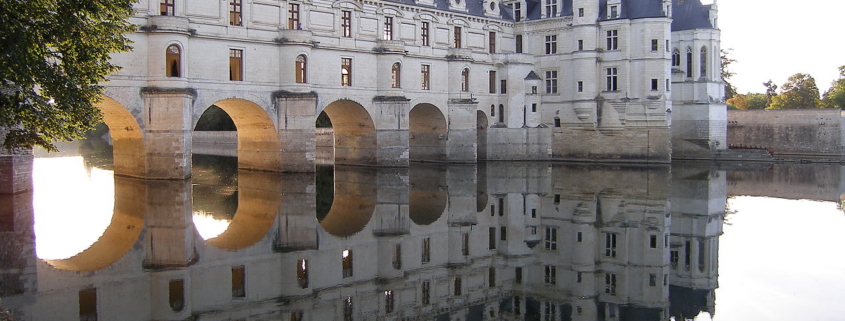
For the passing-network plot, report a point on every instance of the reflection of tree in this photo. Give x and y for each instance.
(215, 190)
(95, 150)
(325, 190)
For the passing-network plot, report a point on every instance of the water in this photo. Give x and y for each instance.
(497, 241)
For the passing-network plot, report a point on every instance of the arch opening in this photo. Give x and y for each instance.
(427, 136)
(353, 201)
(257, 205)
(353, 133)
(128, 149)
(258, 145)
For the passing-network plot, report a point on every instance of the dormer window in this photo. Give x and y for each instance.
(614, 12)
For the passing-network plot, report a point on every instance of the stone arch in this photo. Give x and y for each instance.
(258, 204)
(481, 125)
(130, 199)
(354, 201)
(427, 193)
(427, 133)
(354, 133)
(259, 147)
(127, 138)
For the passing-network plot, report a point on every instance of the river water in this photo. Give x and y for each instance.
(493, 241)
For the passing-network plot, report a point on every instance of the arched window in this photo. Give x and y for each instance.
(174, 61)
(465, 79)
(395, 76)
(676, 58)
(492, 110)
(703, 62)
(301, 69)
(689, 62)
(501, 113)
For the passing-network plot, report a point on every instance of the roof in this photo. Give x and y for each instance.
(690, 14)
(634, 9)
(532, 76)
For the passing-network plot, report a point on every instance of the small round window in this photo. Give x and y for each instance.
(492, 6)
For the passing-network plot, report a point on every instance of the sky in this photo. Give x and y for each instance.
(774, 39)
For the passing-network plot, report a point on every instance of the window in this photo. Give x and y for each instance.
(667, 45)
(580, 44)
(614, 12)
(397, 256)
(501, 199)
(293, 16)
(173, 58)
(551, 238)
(457, 289)
(654, 46)
(551, 8)
(557, 121)
(517, 11)
(550, 311)
(673, 258)
(580, 12)
(652, 279)
(176, 294)
(491, 240)
(534, 110)
(396, 75)
(689, 62)
(517, 305)
(610, 283)
(167, 7)
(668, 88)
(534, 210)
(518, 43)
(465, 80)
(424, 33)
(238, 281)
(492, 114)
(491, 81)
(611, 79)
(302, 273)
(465, 244)
(88, 304)
(347, 309)
(676, 58)
(666, 279)
(579, 237)
(612, 40)
(551, 81)
(556, 199)
(518, 275)
(301, 69)
(492, 42)
(578, 278)
(503, 86)
(425, 73)
(388, 301)
(346, 262)
(235, 11)
(501, 120)
(503, 233)
(388, 28)
(652, 241)
(236, 72)
(580, 86)
(551, 44)
(701, 252)
(426, 292)
(456, 43)
(346, 71)
(346, 23)
(426, 250)
(610, 244)
(491, 277)
(654, 84)
(703, 62)
(551, 274)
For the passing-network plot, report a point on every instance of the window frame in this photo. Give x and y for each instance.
(425, 73)
(293, 16)
(236, 64)
(236, 12)
(346, 23)
(301, 69)
(346, 71)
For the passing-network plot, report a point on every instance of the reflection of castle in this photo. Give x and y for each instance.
(498, 241)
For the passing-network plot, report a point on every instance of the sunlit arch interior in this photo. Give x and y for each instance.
(427, 137)
(355, 191)
(354, 133)
(258, 141)
(127, 138)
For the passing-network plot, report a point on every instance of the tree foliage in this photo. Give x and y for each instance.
(799, 92)
(757, 101)
(730, 90)
(835, 96)
(53, 55)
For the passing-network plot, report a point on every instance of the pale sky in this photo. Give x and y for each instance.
(774, 39)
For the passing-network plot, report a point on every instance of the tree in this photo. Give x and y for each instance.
(53, 55)
(738, 101)
(771, 91)
(799, 92)
(835, 96)
(730, 90)
(757, 101)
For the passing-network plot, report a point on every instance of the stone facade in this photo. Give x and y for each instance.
(417, 80)
(802, 133)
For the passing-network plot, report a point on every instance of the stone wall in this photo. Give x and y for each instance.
(799, 133)
(648, 145)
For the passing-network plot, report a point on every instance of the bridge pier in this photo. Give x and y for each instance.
(392, 130)
(167, 116)
(462, 142)
(169, 224)
(297, 134)
(297, 228)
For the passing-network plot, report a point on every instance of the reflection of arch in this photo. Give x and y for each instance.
(127, 139)
(130, 198)
(354, 201)
(481, 124)
(427, 193)
(481, 195)
(258, 142)
(258, 204)
(427, 139)
(354, 133)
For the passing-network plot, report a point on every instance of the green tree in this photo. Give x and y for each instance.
(53, 55)
(771, 91)
(730, 90)
(835, 96)
(738, 101)
(799, 92)
(756, 101)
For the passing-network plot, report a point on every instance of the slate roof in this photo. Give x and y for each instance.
(690, 14)
(634, 9)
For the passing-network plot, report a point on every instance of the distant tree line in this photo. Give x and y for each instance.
(799, 92)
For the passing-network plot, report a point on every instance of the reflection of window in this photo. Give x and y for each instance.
(551, 238)
(503, 233)
(302, 273)
(301, 69)
(236, 72)
(347, 309)
(491, 240)
(173, 58)
(673, 258)
(652, 279)
(491, 277)
(465, 245)
(610, 283)
(397, 256)
(293, 16)
(425, 73)
(296, 315)
(518, 275)
(610, 244)
(88, 304)
(388, 301)
(346, 259)
(346, 71)
(176, 290)
(551, 274)
(426, 292)
(167, 7)
(426, 250)
(396, 76)
(346, 23)
(551, 310)
(238, 281)
(457, 289)
(652, 241)
(235, 11)
(424, 33)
